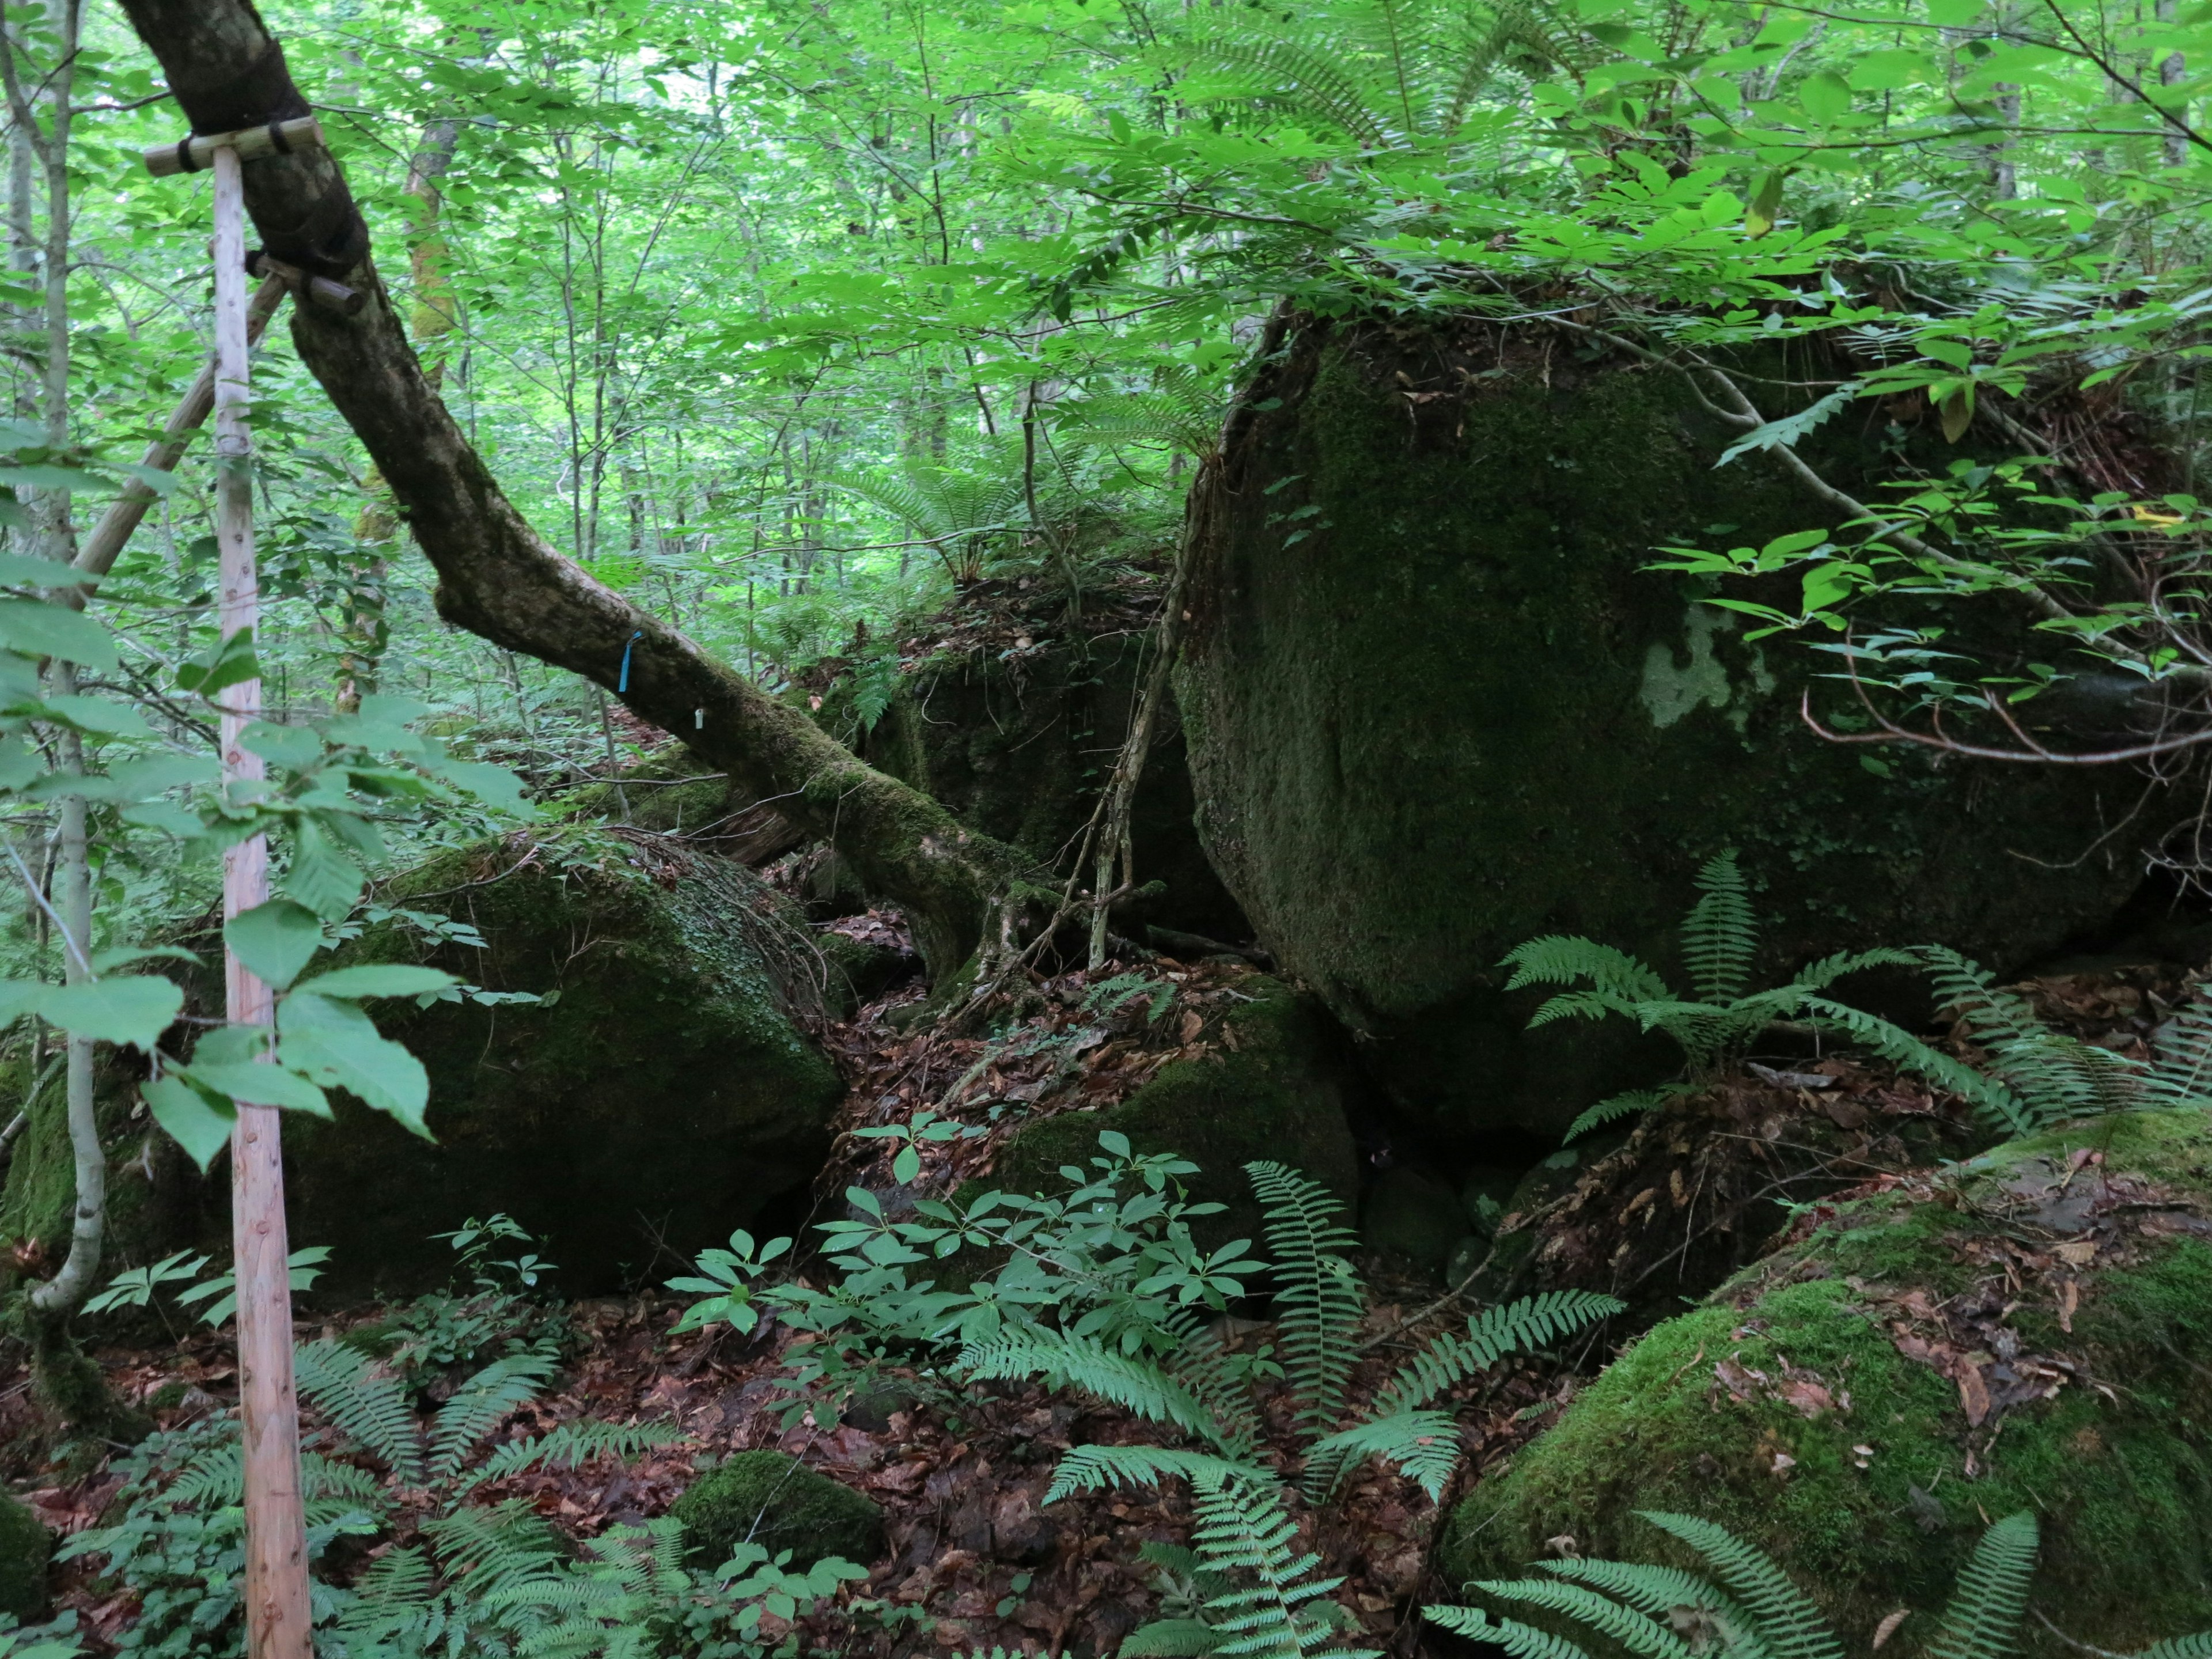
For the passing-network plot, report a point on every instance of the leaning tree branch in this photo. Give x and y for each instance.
(500, 578)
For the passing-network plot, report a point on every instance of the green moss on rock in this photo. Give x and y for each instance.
(659, 1097)
(1281, 1093)
(1819, 1404)
(24, 1546)
(775, 1501)
(1436, 705)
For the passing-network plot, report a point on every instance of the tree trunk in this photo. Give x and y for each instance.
(497, 576)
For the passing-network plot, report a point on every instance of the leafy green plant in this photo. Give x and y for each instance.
(134, 1287)
(1201, 1388)
(57, 1640)
(1753, 1611)
(1715, 1022)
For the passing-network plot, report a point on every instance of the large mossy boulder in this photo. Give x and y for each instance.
(1277, 1085)
(772, 1499)
(1437, 705)
(660, 1094)
(2029, 1330)
(24, 1545)
(1019, 742)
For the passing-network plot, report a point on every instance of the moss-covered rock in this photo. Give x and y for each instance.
(1436, 706)
(1019, 745)
(775, 1501)
(2028, 1330)
(1277, 1088)
(24, 1546)
(658, 1096)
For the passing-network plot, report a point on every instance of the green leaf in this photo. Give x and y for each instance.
(263, 1086)
(494, 785)
(227, 663)
(275, 940)
(293, 746)
(18, 571)
(337, 1045)
(98, 715)
(38, 629)
(199, 1123)
(380, 978)
(322, 878)
(135, 1010)
(1824, 95)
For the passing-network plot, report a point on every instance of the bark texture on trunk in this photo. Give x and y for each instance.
(500, 578)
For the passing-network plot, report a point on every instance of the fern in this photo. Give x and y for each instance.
(1640, 1608)
(1320, 1294)
(1563, 958)
(2181, 1070)
(366, 1404)
(1424, 1445)
(571, 1444)
(1983, 1617)
(1519, 1640)
(1632, 1103)
(1719, 937)
(1243, 1530)
(1493, 1334)
(1102, 1468)
(1132, 1381)
(480, 1405)
(1787, 1621)
(1628, 1627)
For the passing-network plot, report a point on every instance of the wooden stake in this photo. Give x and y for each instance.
(277, 1619)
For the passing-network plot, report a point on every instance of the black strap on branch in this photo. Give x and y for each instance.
(185, 162)
(327, 238)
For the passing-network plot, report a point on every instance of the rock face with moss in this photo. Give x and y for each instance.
(775, 1501)
(1278, 1088)
(24, 1546)
(2031, 1329)
(1436, 706)
(658, 1096)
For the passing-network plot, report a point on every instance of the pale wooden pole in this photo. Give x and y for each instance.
(277, 1619)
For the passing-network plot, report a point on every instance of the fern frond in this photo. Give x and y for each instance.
(1493, 1333)
(480, 1405)
(1318, 1295)
(1520, 1641)
(1313, 82)
(1424, 1445)
(1202, 1363)
(1634, 1103)
(366, 1403)
(571, 1444)
(1819, 975)
(400, 1578)
(1566, 958)
(1989, 1097)
(1102, 1468)
(1241, 1528)
(2198, 1646)
(2181, 1069)
(1639, 1633)
(1583, 1005)
(1785, 1619)
(1172, 1638)
(1983, 1620)
(1131, 1382)
(1720, 936)
(492, 1548)
(1656, 1590)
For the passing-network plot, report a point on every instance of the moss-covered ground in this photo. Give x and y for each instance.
(772, 1499)
(2029, 1331)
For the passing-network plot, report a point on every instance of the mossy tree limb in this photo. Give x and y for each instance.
(497, 576)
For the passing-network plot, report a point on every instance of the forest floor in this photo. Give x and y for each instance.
(977, 1557)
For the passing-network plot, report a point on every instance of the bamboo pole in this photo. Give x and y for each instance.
(277, 1610)
(195, 154)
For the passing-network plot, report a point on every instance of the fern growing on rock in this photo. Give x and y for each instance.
(1753, 1611)
(1715, 1023)
(1201, 1389)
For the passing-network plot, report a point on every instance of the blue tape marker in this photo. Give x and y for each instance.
(622, 684)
